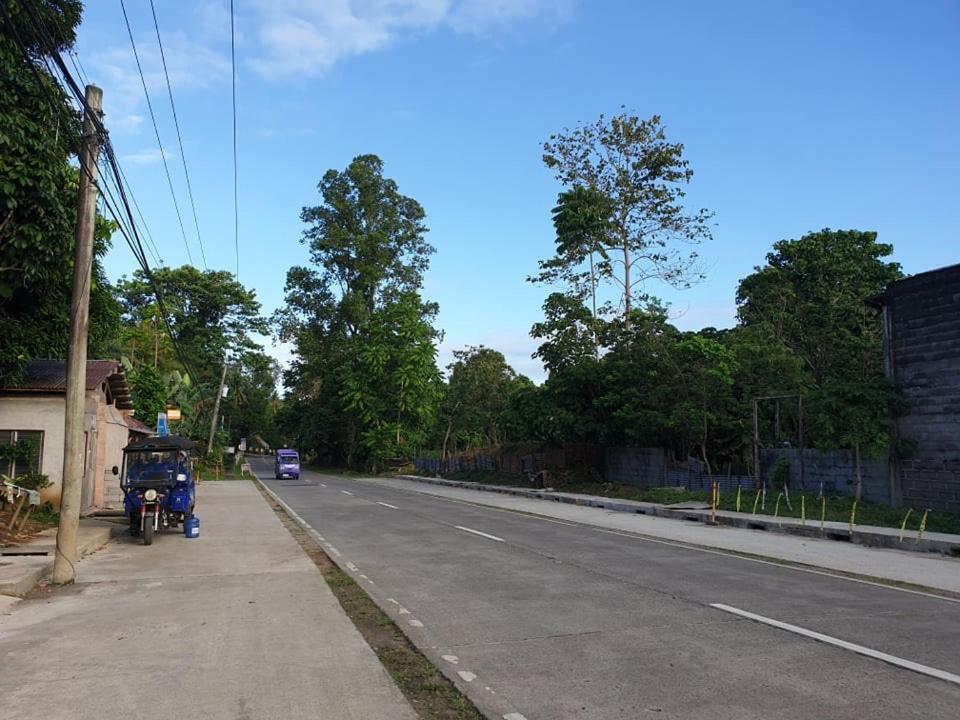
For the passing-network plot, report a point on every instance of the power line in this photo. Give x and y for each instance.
(236, 202)
(176, 123)
(156, 130)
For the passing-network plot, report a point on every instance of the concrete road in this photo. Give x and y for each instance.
(235, 625)
(553, 620)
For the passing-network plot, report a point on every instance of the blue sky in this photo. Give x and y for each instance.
(795, 117)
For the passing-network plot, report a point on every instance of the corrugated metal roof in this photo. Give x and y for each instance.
(51, 376)
(137, 426)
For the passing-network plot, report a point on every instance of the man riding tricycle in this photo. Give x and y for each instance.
(157, 484)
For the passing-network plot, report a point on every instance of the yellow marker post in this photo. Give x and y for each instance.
(923, 526)
(853, 516)
(823, 512)
(803, 510)
(776, 508)
(903, 525)
(756, 502)
(738, 498)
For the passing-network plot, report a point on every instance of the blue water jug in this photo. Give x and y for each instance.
(191, 527)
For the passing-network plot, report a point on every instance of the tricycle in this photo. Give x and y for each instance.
(157, 484)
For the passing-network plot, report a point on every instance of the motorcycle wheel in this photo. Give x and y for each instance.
(148, 529)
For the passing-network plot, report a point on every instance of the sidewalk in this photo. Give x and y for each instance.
(929, 570)
(236, 625)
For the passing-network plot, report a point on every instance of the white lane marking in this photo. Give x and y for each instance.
(391, 600)
(467, 675)
(346, 492)
(322, 484)
(392, 507)
(364, 576)
(784, 565)
(514, 716)
(403, 610)
(352, 567)
(415, 623)
(451, 658)
(477, 532)
(836, 642)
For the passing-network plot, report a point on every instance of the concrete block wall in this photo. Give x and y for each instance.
(835, 469)
(922, 323)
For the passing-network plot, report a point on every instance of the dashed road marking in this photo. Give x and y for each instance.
(352, 567)
(477, 532)
(836, 642)
(346, 492)
(415, 623)
(514, 716)
(467, 675)
(388, 505)
(453, 659)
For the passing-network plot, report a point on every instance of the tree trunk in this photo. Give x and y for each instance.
(858, 487)
(446, 437)
(593, 296)
(626, 285)
(703, 442)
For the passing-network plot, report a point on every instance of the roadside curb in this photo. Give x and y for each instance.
(868, 536)
(489, 707)
(22, 567)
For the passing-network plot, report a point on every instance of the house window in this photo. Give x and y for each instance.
(26, 458)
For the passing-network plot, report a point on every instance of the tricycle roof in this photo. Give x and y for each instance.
(158, 444)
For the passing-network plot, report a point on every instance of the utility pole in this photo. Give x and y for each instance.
(216, 407)
(73, 445)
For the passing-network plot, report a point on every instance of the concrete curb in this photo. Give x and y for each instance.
(488, 706)
(21, 568)
(868, 536)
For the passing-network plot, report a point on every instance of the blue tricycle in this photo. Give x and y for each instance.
(157, 484)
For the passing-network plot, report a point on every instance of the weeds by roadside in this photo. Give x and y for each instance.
(837, 508)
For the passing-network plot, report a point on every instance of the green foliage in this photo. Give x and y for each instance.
(364, 386)
(148, 392)
(630, 208)
(210, 314)
(781, 473)
(39, 132)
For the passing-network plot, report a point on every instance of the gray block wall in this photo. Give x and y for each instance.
(835, 469)
(922, 323)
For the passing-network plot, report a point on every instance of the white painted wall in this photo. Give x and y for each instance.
(39, 412)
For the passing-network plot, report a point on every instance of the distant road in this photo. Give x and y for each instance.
(561, 621)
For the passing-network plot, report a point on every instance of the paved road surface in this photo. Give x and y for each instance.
(560, 621)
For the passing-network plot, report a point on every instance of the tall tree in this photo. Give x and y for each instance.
(643, 177)
(210, 313)
(345, 315)
(39, 132)
(582, 220)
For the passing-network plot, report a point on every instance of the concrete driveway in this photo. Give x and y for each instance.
(235, 625)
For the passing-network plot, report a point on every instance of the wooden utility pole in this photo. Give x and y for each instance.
(216, 407)
(73, 444)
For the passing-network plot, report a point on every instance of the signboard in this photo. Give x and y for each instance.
(173, 414)
(243, 444)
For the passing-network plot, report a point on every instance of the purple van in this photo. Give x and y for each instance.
(287, 464)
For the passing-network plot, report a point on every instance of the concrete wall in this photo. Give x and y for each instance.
(640, 467)
(835, 469)
(105, 436)
(922, 324)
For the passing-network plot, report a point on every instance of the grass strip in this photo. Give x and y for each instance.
(431, 695)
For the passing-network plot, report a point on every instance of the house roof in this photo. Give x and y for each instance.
(50, 376)
(136, 426)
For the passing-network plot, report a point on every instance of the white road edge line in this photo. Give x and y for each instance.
(836, 642)
(392, 507)
(346, 492)
(322, 484)
(514, 716)
(477, 532)
(785, 565)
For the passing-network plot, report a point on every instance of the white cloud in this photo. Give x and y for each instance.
(191, 66)
(147, 156)
(307, 37)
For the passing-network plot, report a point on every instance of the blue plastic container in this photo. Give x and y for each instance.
(191, 527)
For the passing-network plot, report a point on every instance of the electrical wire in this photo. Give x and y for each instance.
(176, 124)
(156, 130)
(236, 202)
